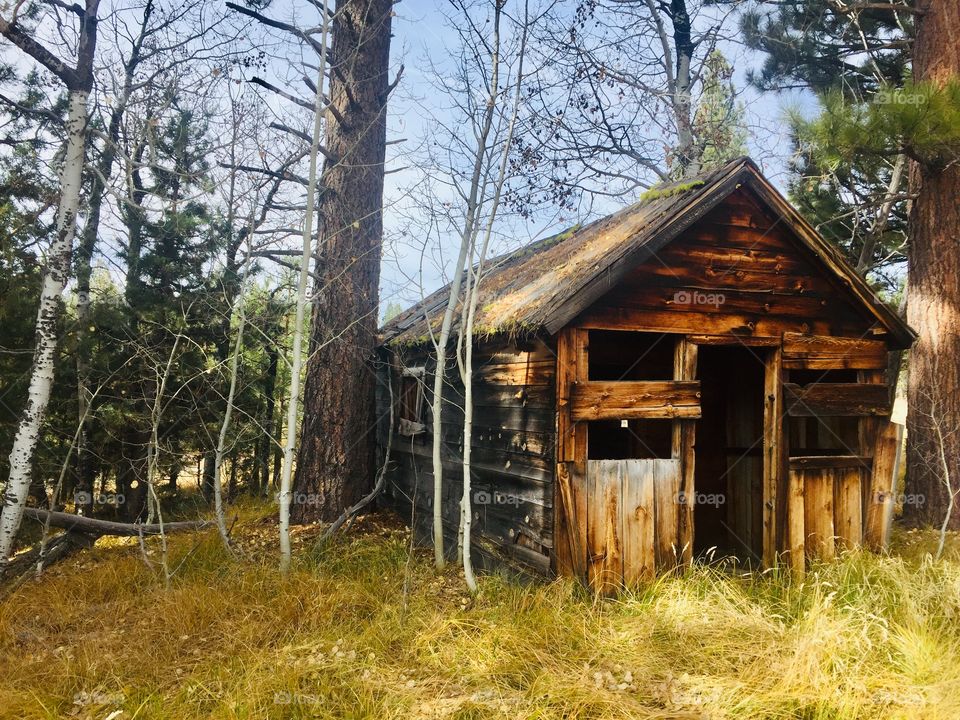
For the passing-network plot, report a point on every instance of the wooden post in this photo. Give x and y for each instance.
(684, 437)
(869, 431)
(882, 485)
(773, 458)
(570, 521)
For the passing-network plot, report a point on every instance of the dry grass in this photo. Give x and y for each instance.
(100, 637)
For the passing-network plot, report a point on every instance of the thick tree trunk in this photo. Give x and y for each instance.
(54, 280)
(336, 459)
(933, 309)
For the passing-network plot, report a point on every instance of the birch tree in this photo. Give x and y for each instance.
(467, 167)
(475, 272)
(296, 360)
(467, 237)
(78, 80)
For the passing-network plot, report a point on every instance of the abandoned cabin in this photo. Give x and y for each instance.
(697, 374)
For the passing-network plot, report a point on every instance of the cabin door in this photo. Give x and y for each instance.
(633, 521)
(625, 470)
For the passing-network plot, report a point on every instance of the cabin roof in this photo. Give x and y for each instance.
(546, 284)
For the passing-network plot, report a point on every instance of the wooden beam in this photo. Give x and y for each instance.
(630, 399)
(821, 462)
(682, 449)
(773, 452)
(824, 352)
(882, 486)
(572, 369)
(748, 341)
(730, 324)
(836, 399)
(569, 504)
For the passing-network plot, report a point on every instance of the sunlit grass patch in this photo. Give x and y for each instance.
(361, 629)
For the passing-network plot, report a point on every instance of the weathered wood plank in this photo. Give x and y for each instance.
(666, 493)
(836, 399)
(630, 399)
(572, 514)
(639, 557)
(882, 486)
(604, 525)
(751, 341)
(827, 462)
(571, 369)
(540, 372)
(796, 516)
(571, 450)
(823, 352)
(684, 437)
(695, 321)
(848, 507)
(773, 453)
(818, 513)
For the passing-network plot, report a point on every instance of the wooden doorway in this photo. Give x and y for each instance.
(728, 502)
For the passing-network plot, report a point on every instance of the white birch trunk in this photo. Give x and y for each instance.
(467, 239)
(228, 414)
(54, 280)
(293, 405)
(471, 297)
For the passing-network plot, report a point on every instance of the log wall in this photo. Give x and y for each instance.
(513, 452)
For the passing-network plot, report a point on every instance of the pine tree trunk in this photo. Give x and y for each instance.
(54, 280)
(933, 307)
(336, 458)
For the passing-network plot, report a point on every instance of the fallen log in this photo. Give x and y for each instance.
(93, 526)
(58, 548)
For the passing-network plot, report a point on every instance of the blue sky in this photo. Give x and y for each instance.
(420, 35)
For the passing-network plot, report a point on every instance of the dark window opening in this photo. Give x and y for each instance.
(412, 407)
(629, 439)
(823, 435)
(620, 355)
(808, 377)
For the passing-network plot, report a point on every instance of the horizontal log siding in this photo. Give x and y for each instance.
(514, 435)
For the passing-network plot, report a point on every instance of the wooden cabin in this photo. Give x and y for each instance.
(697, 374)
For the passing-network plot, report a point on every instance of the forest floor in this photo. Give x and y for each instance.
(364, 628)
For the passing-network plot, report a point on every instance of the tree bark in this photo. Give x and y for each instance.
(54, 280)
(934, 306)
(336, 458)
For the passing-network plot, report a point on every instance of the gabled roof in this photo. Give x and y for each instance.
(546, 284)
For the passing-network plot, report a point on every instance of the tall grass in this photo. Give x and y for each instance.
(864, 637)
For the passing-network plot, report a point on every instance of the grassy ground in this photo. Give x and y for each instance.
(361, 629)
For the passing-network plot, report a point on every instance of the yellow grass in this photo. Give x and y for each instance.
(361, 630)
